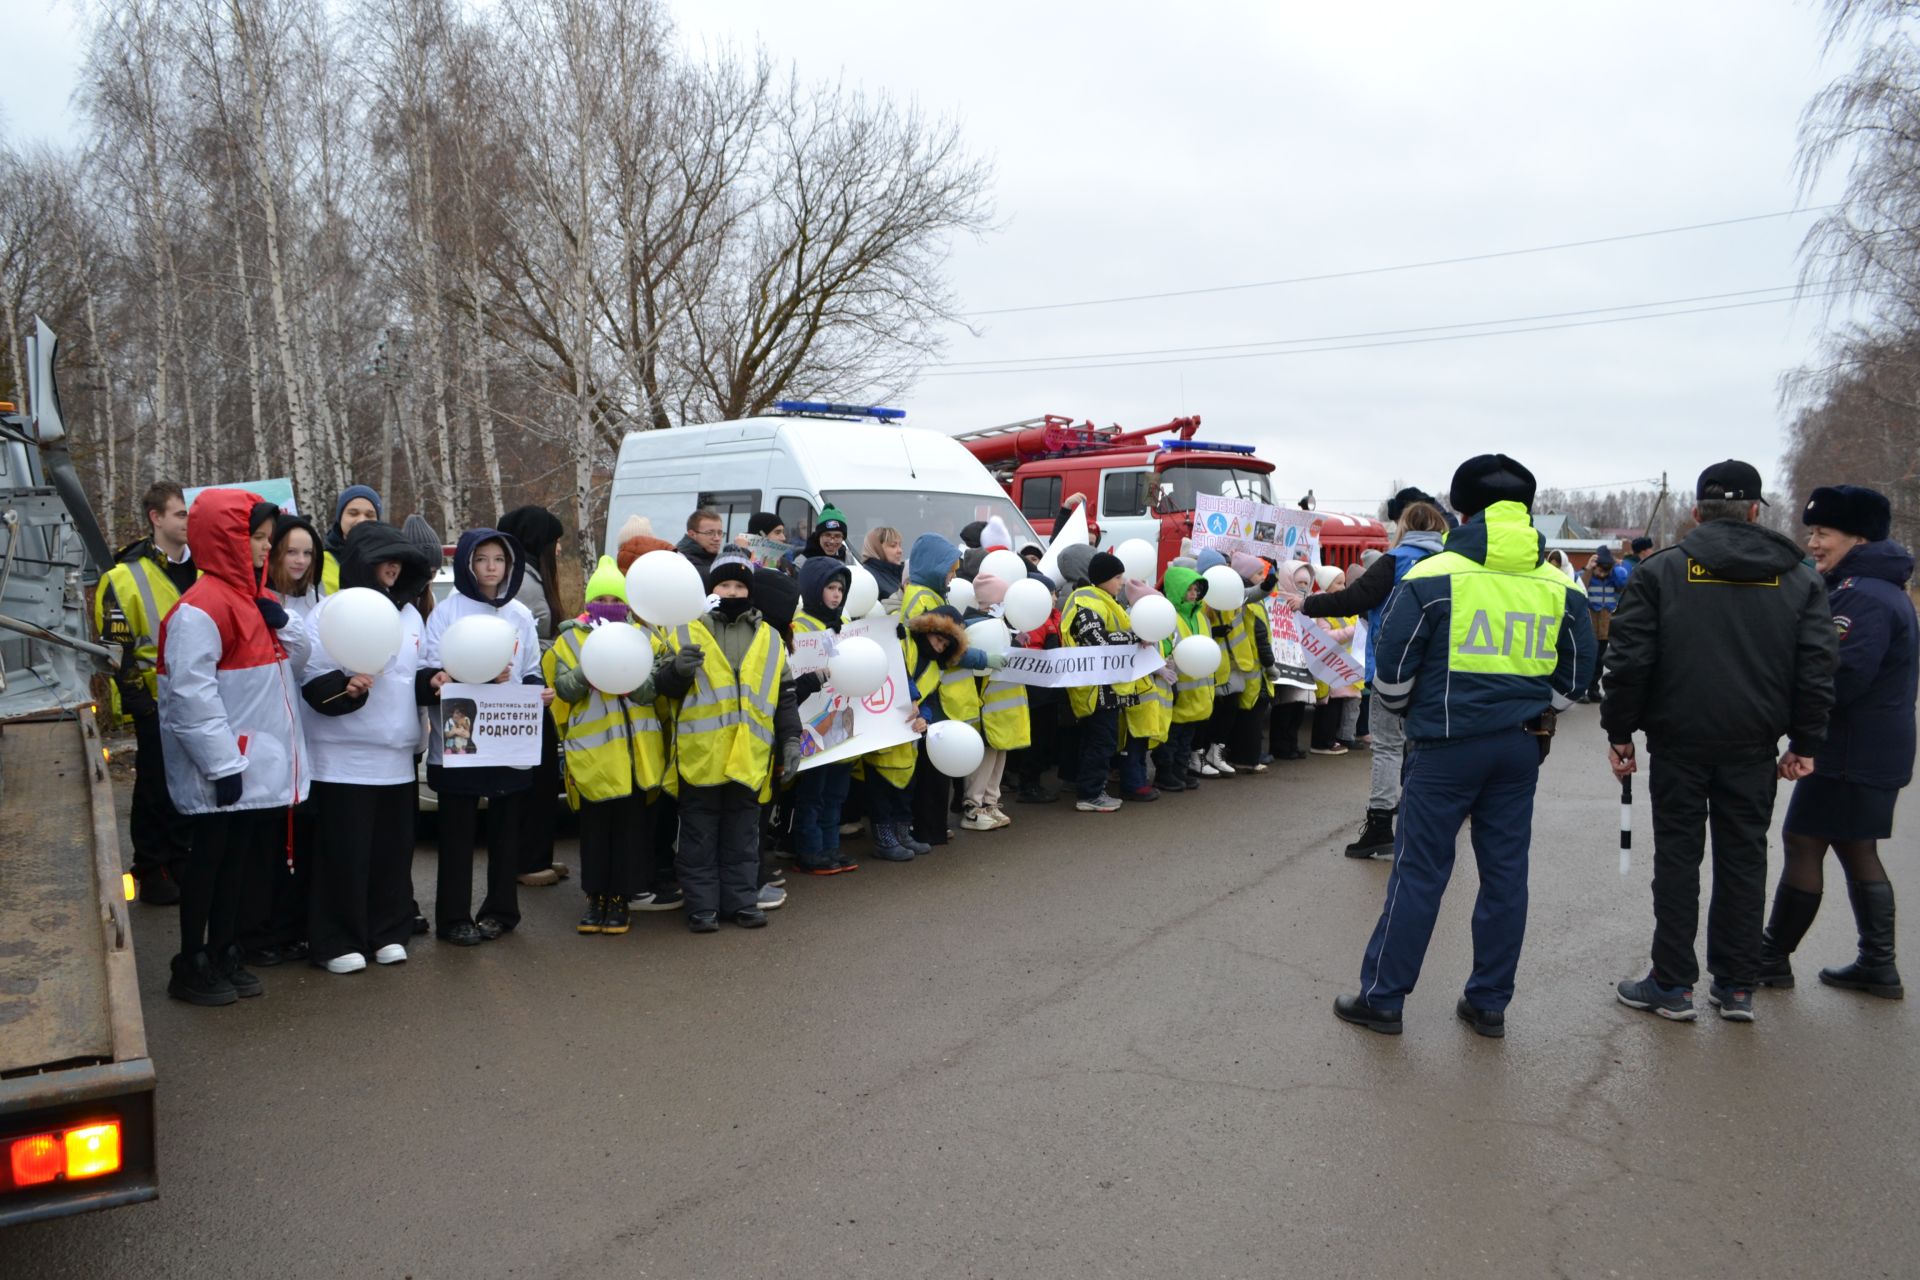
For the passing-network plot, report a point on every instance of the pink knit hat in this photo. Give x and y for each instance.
(1252, 569)
(988, 590)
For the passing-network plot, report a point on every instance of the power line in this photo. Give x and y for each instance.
(1375, 333)
(1405, 266)
(1391, 342)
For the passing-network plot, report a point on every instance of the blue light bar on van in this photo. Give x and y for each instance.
(1173, 445)
(840, 410)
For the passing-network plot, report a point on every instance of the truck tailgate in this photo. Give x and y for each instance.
(53, 947)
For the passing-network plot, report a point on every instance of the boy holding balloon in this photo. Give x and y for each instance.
(612, 744)
(480, 634)
(364, 682)
(734, 719)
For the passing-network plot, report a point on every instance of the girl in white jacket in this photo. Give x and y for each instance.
(488, 568)
(230, 727)
(363, 736)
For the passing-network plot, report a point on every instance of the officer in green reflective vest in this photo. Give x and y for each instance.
(1479, 647)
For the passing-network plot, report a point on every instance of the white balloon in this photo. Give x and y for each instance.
(863, 593)
(858, 667)
(1154, 618)
(665, 589)
(955, 747)
(1027, 605)
(990, 635)
(1004, 565)
(1225, 591)
(1140, 558)
(476, 649)
(1197, 656)
(360, 630)
(960, 594)
(616, 657)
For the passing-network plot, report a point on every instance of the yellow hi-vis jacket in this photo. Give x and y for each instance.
(1192, 695)
(144, 595)
(1239, 671)
(1113, 617)
(723, 728)
(1003, 714)
(611, 746)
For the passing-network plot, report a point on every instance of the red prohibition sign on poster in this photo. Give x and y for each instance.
(881, 699)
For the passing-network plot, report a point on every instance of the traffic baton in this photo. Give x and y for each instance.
(1626, 824)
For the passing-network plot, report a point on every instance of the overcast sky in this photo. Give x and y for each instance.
(1140, 152)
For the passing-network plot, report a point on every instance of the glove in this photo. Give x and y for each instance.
(789, 758)
(136, 702)
(271, 612)
(226, 791)
(1273, 672)
(687, 660)
(995, 661)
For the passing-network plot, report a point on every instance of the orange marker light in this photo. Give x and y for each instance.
(37, 1159)
(93, 1150)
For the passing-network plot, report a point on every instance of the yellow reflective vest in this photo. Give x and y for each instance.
(1192, 695)
(329, 571)
(610, 745)
(1113, 617)
(1003, 714)
(723, 727)
(145, 595)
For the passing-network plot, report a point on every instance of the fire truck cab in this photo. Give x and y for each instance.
(1136, 487)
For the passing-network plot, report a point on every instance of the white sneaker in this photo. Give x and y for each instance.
(978, 820)
(1000, 819)
(1217, 757)
(352, 962)
(1197, 763)
(640, 902)
(392, 953)
(853, 828)
(772, 897)
(1103, 803)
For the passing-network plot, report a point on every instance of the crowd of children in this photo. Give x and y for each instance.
(298, 776)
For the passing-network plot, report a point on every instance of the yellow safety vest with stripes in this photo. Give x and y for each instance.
(1113, 617)
(145, 595)
(1239, 671)
(611, 746)
(723, 728)
(1192, 695)
(1003, 714)
(329, 571)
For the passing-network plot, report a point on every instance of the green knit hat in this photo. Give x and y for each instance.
(607, 580)
(831, 520)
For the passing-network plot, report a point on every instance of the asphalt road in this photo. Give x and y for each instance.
(1083, 1046)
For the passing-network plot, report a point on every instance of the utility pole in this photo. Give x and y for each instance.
(1657, 504)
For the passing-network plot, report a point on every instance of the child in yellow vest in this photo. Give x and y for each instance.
(735, 723)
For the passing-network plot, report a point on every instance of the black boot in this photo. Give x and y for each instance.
(1873, 971)
(1793, 912)
(614, 916)
(196, 980)
(595, 920)
(1376, 836)
(234, 970)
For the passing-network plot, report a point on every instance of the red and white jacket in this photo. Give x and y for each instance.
(229, 702)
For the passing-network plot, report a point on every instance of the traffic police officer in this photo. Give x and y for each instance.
(147, 578)
(1479, 647)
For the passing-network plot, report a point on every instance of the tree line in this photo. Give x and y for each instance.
(456, 252)
(1855, 410)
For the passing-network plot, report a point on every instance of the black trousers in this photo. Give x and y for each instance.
(1099, 740)
(719, 858)
(662, 845)
(1217, 730)
(1249, 733)
(273, 907)
(459, 830)
(1284, 727)
(362, 869)
(1326, 723)
(534, 832)
(229, 846)
(613, 834)
(1734, 800)
(1599, 667)
(932, 794)
(160, 834)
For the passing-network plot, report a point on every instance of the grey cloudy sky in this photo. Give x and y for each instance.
(1141, 149)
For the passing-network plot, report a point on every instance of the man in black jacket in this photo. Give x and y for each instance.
(1720, 645)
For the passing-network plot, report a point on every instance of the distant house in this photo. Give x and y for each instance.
(1558, 525)
(1564, 533)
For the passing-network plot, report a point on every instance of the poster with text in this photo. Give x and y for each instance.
(489, 725)
(1257, 528)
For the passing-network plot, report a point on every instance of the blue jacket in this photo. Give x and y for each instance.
(1484, 636)
(1870, 735)
(928, 561)
(1604, 587)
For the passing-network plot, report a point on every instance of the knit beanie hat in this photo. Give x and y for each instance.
(831, 521)
(762, 523)
(988, 590)
(1104, 567)
(1251, 568)
(635, 527)
(970, 533)
(607, 580)
(1323, 576)
(731, 566)
(1208, 558)
(351, 492)
(1074, 562)
(421, 534)
(636, 545)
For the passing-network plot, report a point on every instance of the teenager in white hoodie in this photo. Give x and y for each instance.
(363, 734)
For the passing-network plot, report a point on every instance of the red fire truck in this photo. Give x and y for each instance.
(1136, 487)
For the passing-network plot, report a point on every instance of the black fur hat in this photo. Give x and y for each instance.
(1400, 501)
(1850, 508)
(1489, 478)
